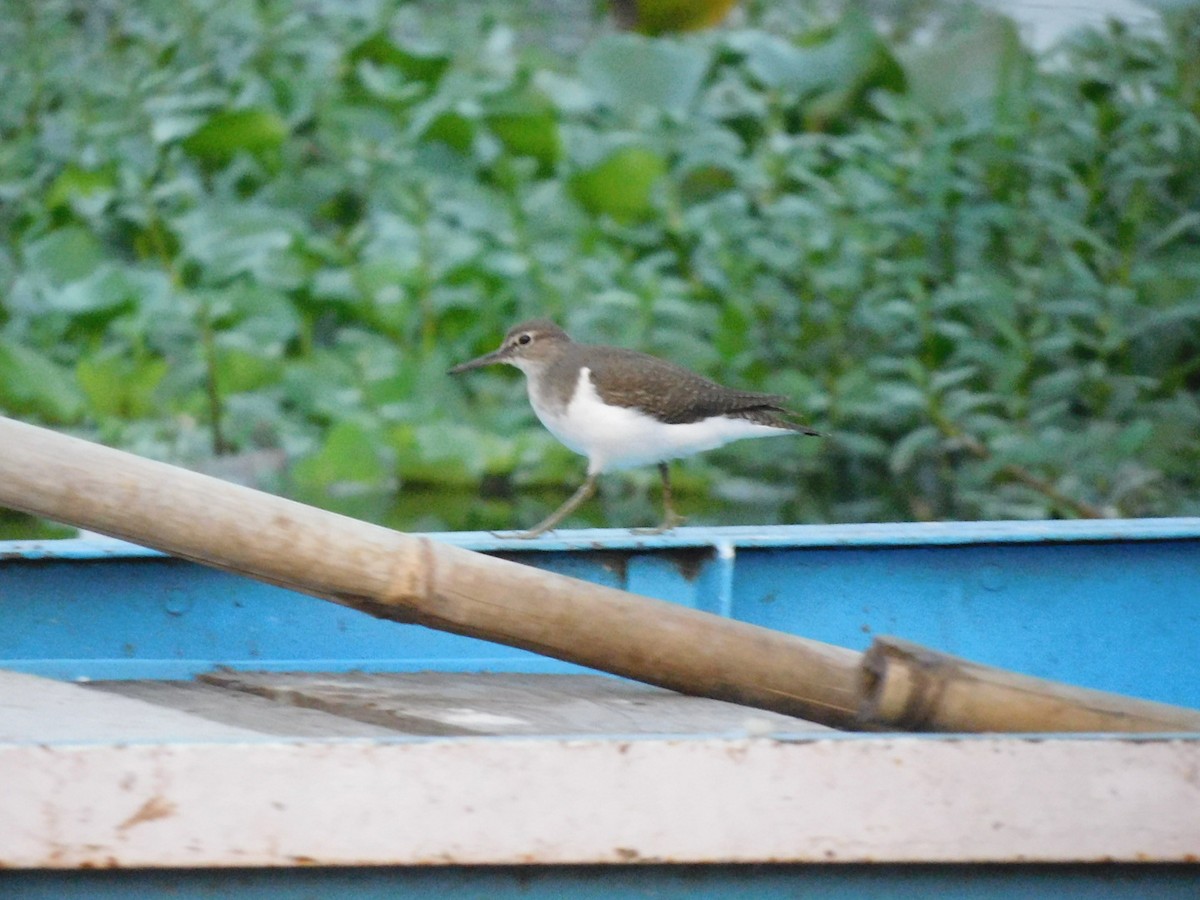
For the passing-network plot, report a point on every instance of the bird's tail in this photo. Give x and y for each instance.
(776, 417)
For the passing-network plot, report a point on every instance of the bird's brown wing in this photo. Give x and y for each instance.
(676, 395)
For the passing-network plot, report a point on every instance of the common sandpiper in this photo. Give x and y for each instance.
(622, 409)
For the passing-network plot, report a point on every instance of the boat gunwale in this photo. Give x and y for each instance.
(741, 537)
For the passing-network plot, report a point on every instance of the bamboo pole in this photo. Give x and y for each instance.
(913, 688)
(413, 579)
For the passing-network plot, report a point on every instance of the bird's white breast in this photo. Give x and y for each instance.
(619, 437)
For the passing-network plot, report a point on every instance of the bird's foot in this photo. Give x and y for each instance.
(667, 524)
(519, 535)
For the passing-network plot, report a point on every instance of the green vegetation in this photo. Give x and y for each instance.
(231, 225)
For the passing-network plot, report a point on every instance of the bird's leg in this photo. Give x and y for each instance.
(585, 491)
(670, 517)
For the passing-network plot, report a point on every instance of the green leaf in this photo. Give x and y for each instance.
(118, 386)
(704, 182)
(453, 129)
(842, 60)
(622, 186)
(65, 255)
(527, 126)
(31, 384)
(628, 72)
(78, 185)
(669, 16)
(351, 455)
(322, 386)
(900, 396)
(451, 453)
(241, 366)
(227, 133)
(1133, 438)
(911, 447)
(415, 60)
(264, 318)
(104, 292)
(980, 71)
(241, 239)
(857, 443)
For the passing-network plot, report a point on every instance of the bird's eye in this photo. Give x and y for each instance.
(525, 339)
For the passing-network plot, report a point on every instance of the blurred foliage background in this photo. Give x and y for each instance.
(250, 236)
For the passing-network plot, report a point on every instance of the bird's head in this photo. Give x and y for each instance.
(527, 346)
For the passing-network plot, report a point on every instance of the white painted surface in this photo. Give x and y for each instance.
(499, 800)
(43, 710)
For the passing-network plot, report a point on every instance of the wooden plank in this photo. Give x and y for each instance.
(506, 703)
(823, 798)
(241, 709)
(34, 709)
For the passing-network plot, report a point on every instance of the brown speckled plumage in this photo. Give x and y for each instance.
(682, 413)
(670, 393)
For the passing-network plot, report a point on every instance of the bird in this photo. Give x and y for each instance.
(623, 409)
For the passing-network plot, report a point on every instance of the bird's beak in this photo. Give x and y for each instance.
(488, 359)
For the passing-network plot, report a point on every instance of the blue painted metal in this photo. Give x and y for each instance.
(692, 882)
(1108, 604)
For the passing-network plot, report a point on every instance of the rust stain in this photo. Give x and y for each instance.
(108, 862)
(627, 854)
(614, 562)
(689, 562)
(736, 752)
(154, 808)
